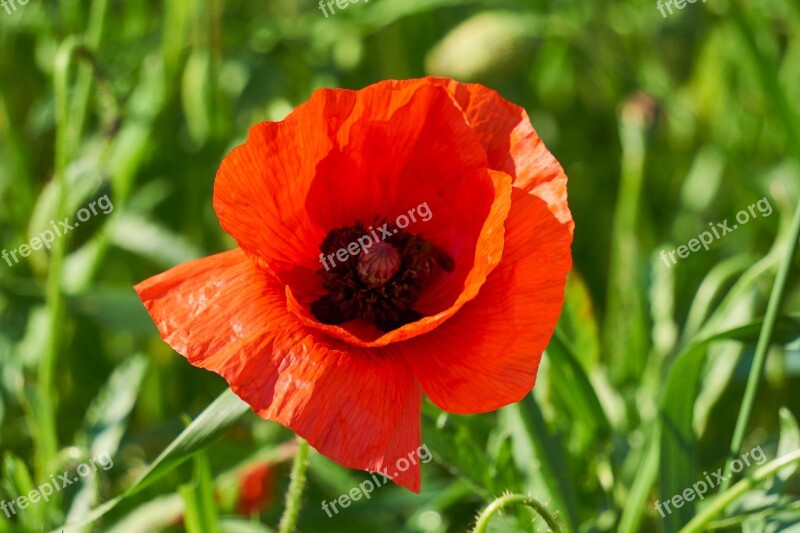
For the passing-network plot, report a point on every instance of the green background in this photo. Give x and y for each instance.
(663, 125)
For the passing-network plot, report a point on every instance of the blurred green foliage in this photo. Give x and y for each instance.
(662, 124)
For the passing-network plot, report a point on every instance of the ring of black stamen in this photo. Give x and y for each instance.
(387, 306)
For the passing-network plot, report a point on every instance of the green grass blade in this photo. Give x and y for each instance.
(225, 411)
(200, 514)
(716, 506)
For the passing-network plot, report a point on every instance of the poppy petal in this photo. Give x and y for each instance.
(225, 314)
(512, 145)
(260, 186)
(488, 354)
(509, 140)
(386, 166)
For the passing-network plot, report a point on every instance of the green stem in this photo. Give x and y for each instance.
(769, 81)
(509, 499)
(294, 496)
(718, 504)
(762, 347)
(47, 439)
(69, 126)
(625, 328)
(83, 84)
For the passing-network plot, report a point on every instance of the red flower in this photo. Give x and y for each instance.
(255, 489)
(460, 306)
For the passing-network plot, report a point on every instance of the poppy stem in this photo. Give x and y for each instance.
(508, 499)
(294, 495)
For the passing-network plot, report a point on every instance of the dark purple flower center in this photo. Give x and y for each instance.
(375, 275)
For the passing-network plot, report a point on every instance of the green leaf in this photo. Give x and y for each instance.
(225, 411)
(175, 33)
(678, 447)
(701, 186)
(572, 386)
(130, 146)
(86, 497)
(716, 505)
(108, 413)
(539, 456)
(678, 456)
(625, 330)
(161, 512)
(196, 95)
(718, 319)
(789, 441)
(83, 182)
(241, 525)
(710, 290)
(579, 323)
(200, 514)
(158, 514)
(787, 331)
(646, 473)
(117, 308)
(150, 240)
(17, 481)
(454, 445)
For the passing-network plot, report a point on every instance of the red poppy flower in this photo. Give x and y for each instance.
(459, 306)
